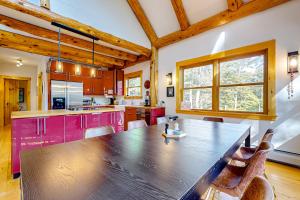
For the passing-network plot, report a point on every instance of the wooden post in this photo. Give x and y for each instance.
(2, 101)
(154, 76)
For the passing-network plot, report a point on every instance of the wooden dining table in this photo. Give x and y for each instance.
(136, 164)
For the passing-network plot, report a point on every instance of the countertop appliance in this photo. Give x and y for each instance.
(71, 92)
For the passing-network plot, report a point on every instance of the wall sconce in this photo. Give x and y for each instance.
(293, 65)
(77, 69)
(93, 72)
(59, 67)
(169, 79)
(293, 62)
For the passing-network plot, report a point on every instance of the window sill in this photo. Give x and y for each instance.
(254, 116)
(135, 97)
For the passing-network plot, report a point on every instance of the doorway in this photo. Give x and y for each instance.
(16, 96)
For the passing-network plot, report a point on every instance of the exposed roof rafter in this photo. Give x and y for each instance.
(180, 14)
(234, 5)
(46, 48)
(218, 20)
(49, 16)
(143, 19)
(49, 34)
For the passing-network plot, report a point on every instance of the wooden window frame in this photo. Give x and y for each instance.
(267, 48)
(138, 74)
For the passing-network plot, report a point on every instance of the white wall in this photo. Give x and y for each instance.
(111, 16)
(145, 67)
(10, 69)
(281, 23)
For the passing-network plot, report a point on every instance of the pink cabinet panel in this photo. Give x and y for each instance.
(53, 130)
(92, 120)
(106, 119)
(73, 128)
(155, 113)
(26, 135)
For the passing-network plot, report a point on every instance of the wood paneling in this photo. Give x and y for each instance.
(11, 98)
(1, 101)
(143, 19)
(218, 20)
(154, 76)
(49, 34)
(180, 14)
(44, 14)
(46, 48)
(139, 60)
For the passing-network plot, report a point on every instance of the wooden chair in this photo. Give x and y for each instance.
(244, 154)
(259, 189)
(234, 180)
(213, 119)
(162, 120)
(96, 132)
(136, 124)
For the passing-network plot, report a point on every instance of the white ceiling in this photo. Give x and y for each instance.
(163, 19)
(10, 56)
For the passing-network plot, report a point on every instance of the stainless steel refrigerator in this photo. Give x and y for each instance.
(66, 95)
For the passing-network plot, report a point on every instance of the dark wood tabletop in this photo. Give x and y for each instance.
(137, 164)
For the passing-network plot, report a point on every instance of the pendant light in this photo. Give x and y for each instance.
(59, 64)
(93, 70)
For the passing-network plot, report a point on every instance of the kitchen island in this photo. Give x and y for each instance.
(33, 129)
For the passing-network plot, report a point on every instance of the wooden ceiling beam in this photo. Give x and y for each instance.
(52, 35)
(234, 5)
(139, 60)
(218, 20)
(143, 19)
(180, 14)
(46, 48)
(44, 14)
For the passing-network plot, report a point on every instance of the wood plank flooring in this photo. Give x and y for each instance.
(285, 179)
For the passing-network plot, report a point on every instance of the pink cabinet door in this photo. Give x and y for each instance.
(92, 120)
(106, 119)
(53, 130)
(73, 128)
(26, 135)
(119, 122)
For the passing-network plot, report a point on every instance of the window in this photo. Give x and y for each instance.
(237, 83)
(133, 85)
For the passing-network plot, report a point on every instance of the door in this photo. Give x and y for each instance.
(11, 98)
(106, 119)
(52, 130)
(26, 135)
(73, 127)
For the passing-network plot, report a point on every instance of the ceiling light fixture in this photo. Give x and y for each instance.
(59, 64)
(19, 62)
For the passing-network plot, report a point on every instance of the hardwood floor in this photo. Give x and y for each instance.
(9, 188)
(285, 179)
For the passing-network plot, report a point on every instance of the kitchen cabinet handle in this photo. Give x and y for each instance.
(45, 129)
(81, 121)
(38, 126)
(85, 121)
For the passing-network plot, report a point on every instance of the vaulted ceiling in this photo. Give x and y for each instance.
(169, 21)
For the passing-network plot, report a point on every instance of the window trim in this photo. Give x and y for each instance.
(269, 81)
(137, 74)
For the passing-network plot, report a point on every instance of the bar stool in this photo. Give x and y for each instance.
(244, 154)
(234, 180)
(137, 124)
(259, 189)
(213, 119)
(96, 132)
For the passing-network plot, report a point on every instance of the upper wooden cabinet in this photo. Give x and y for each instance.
(98, 85)
(108, 80)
